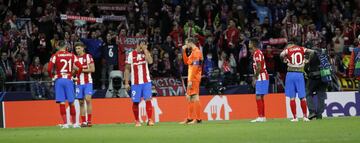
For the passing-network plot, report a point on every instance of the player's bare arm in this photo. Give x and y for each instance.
(257, 72)
(126, 76)
(90, 69)
(148, 57)
(282, 55)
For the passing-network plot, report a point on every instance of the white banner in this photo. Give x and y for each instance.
(113, 17)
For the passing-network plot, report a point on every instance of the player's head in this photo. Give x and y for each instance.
(4, 55)
(79, 48)
(190, 41)
(61, 45)
(109, 37)
(141, 44)
(254, 43)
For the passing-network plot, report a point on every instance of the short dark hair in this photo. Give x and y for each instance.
(61, 44)
(191, 40)
(255, 41)
(79, 44)
(142, 41)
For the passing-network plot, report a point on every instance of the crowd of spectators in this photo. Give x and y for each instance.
(30, 29)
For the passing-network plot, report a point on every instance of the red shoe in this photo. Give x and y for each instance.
(89, 124)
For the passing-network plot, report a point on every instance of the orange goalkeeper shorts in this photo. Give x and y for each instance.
(194, 89)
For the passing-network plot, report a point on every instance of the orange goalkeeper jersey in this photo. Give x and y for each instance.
(194, 62)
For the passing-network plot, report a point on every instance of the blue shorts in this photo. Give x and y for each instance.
(84, 90)
(262, 87)
(64, 90)
(141, 90)
(295, 83)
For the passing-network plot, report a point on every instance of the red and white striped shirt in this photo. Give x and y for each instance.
(296, 30)
(63, 62)
(258, 57)
(85, 61)
(295, 56)
(139, 67)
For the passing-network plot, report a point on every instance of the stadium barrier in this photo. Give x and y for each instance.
(170, 109)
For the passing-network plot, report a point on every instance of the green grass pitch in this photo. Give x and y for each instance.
(328, 130)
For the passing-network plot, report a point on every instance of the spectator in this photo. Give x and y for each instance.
(156, 38)
(54, 42)
(121, 49)
(6, 66)
(313, 37)
(292, 28)
(262, 11)
(110, 50)
(191, 29)
(348, 33)
(211, 48)
(169, 47)
(70, 41)
(209, 65)
(179, 65)
(165, 69)
(49, 90)
(177, 34)
(338, 42)
(231, 36)
(155, 66)
(93, 47)
(36, 73)
(21, 71)
(224, 65)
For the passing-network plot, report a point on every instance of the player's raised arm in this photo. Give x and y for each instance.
(148, 56)
(185, 57)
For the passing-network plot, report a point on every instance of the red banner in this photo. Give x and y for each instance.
(168, 86)
(129, 43)
(84, 18)
(276, 41)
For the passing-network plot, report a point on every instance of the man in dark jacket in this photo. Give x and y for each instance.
(315, 86)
